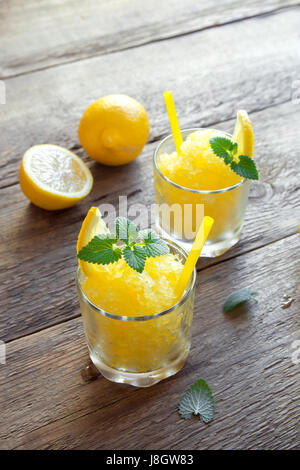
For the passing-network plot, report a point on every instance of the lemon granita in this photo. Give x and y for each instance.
(195, 181)
(137, 331)
(197, 167)
(120, 290)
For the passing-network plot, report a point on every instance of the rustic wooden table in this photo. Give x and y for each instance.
(216, 57)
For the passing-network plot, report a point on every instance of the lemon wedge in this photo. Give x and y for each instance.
(54, 178)
(92, 225)
(243, 134)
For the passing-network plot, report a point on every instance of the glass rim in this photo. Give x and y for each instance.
(142, 317)
(184, 188)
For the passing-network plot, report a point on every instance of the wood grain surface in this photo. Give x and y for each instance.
(245, 357)
(216, 56)
(46, 106)
(44, 243)
(40, 34)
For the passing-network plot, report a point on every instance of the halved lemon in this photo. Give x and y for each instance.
(54, 178)
(243, 134)
(92, 225)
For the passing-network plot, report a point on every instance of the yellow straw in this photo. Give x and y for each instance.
(194, 254)
(173, 120)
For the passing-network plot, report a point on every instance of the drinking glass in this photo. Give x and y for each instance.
(180, 210)
(139, 350)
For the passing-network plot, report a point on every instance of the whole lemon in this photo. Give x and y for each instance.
(114, 129)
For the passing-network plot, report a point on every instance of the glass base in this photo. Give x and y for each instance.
(145, 379)
(211, 249)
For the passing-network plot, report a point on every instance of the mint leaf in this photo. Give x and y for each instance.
(135, 257)
(221, 146)
(234, 148)
(153, 245)
(228, 159)
(101, 250)
(105, 248)
(125, 229)
(198, 400)
(239, 297)
(226, 149)
(245, 167)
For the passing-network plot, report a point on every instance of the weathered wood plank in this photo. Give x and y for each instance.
(36, 35)
(46, 106)
(35, 243)
(245, 357)
(37, 248)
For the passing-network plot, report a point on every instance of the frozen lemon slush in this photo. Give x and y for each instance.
(197, 167)
(124, 316)
(200, 182)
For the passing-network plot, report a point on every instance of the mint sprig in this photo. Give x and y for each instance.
(242, 164)
(135, 257)
(198, 400)
(101, 250)
(153, 245)
(238, 297)
(136, 248)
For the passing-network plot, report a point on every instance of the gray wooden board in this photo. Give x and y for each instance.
(245, 356)
(41, 34)
(60, 56)
(38, 248)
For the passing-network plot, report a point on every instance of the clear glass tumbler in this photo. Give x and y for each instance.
(186, 208)
(140, 350)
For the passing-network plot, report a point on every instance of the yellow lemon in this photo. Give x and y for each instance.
(114, 129)
(54, 178)
(92, 225)
(243, 134)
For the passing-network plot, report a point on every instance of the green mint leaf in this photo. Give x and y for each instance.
(245, 167)
(135, 257)
(226, 149)
(198, 400)
(228, 159)
(222, 147)
(153, 245)
(125, 229)
(105, 248)
(234, 148)
(239, 297)
(101, 250)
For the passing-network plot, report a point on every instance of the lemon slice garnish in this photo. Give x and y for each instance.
(92, 225)
(243, 134)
